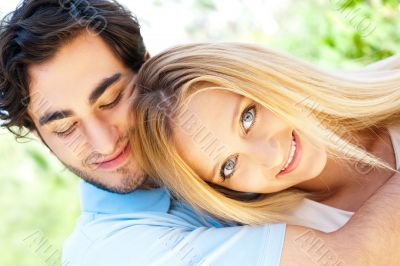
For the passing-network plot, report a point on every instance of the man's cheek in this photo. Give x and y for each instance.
(122, 119)
(72, 155)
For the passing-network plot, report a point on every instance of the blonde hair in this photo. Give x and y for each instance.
(327, 106)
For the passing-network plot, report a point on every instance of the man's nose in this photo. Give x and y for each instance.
(101, 135)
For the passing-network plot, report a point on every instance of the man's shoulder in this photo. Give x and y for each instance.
(77, 243)
(150, 228)
(93, 229)
(178, 237)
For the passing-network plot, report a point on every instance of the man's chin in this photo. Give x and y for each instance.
(127, 185)
(127, 182)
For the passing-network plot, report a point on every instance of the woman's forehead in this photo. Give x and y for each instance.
(202, 131)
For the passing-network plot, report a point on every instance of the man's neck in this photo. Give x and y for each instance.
(150, 183)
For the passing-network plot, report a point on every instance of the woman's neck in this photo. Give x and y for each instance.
(347, 185)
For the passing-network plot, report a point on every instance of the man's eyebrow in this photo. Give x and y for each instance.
(96, 93)
(52, 116)
(102, 87)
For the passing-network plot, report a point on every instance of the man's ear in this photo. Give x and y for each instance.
(146, 55)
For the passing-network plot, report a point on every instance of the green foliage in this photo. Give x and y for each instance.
(36, 195)
(334, 33)
(205, 5)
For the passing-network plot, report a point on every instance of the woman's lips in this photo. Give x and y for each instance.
(118, 160)
(296, 156)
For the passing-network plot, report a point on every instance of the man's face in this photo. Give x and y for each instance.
(80, 103)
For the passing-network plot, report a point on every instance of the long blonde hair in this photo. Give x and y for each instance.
(327, 106)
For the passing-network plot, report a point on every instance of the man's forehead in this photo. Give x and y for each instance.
(84, 58)
(71, 75)
(50, 92)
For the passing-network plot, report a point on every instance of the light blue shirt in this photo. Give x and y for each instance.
(148, 227)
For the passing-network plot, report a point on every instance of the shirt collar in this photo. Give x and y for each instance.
(97, 200)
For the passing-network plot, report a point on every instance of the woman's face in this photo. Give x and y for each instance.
(231, 141)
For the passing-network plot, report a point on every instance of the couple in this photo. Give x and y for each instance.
(268, 160)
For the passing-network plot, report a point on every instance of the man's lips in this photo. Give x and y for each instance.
(117, 160)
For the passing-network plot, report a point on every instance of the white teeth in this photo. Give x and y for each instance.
(292, 152)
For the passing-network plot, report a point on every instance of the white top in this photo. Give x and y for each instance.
(325, 218)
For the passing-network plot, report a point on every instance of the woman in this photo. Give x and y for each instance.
(217, 121)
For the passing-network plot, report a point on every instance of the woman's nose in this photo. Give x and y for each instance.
(267, 153)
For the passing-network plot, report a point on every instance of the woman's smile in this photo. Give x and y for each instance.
(294, 155)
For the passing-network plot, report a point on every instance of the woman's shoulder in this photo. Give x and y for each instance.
(394, 132)
(319, 216)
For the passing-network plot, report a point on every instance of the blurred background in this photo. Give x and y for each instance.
(39, 198)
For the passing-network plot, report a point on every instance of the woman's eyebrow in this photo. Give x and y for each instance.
(216, 172)
(236, 114)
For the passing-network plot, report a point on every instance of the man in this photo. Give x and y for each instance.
(67, 74)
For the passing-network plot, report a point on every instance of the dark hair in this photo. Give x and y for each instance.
(37, 29)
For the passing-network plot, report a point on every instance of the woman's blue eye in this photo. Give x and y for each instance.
(248, 118)
(228, 168)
